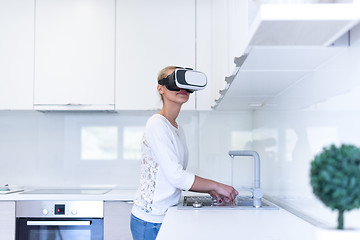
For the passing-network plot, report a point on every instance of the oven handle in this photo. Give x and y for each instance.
(58, 223)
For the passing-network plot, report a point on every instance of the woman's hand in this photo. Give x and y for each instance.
(224, 192)
(218, 190)
(215, 195)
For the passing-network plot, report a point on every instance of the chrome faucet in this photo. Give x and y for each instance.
(256, 191)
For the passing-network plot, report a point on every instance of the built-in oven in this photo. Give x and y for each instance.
(59, 220)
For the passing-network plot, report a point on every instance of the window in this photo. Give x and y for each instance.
(99, 143)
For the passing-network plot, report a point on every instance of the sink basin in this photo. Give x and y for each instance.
(207, 202)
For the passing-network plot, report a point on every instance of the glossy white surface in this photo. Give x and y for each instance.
(302, 24)
(113, 195)
(149, 38)
(74, 54)
(233, 224)
(17, 54)
(287, 78)
(47, 148)
(314, 211)
(7, 220)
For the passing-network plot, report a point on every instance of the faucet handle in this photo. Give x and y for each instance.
(256, 192)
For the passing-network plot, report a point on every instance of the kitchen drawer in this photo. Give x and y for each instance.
(117, 220)
(7, 220)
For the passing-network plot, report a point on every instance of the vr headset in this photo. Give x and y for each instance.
(184, 78)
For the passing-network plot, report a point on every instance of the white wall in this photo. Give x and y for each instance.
(39, 149)
(289, 140)
(43, 149)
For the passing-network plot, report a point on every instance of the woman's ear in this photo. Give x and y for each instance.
(160, 89)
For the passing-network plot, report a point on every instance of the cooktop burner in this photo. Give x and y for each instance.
(68, 191)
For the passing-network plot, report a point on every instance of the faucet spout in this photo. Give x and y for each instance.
(256, 163)
(257, 192)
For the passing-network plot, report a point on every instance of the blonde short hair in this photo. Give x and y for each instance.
(164, 73)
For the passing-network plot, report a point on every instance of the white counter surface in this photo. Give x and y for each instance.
(222, 224)
(234, 224)
(306, 219)
(113, 195)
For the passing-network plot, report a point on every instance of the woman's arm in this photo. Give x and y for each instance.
(219, 190)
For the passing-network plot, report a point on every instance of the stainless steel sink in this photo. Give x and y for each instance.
(207, 202)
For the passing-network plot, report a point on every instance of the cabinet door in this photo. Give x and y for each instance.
(74, 53)
(16, 54)
(7, 220)
(117, 220)
(221, 34)
(151, 35)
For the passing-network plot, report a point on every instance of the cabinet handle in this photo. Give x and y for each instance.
(75, 104)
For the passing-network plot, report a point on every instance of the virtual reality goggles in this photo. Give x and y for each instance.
(184, 78)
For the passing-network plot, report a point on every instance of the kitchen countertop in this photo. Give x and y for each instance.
(314, 211)
(233, 224)
(113, 195)
(295, 219)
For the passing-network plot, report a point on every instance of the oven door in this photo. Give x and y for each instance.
(59, 228)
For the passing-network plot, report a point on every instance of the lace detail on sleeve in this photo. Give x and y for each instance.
(149, 168)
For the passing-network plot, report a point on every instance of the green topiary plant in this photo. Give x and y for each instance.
(335, 178)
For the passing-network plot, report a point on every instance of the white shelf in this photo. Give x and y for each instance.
(276, 78)
(302, 24)
(286, 44)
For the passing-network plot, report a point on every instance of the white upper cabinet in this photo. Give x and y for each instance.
(151, 35)
(285, 44)
(270, 78)
(16, 54)
(74, 55)
(220, 28)
(301, 24)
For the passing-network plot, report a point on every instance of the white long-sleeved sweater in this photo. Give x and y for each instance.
(163, 169)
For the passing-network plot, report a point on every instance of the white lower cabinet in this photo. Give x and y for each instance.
(117, 220)
(7, 220)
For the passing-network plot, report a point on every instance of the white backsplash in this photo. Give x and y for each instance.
(289, 140)
(44, 149)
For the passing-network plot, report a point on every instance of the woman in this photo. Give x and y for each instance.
(164, 160)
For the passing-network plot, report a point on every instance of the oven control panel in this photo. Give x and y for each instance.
(59, 209)
(83, 209)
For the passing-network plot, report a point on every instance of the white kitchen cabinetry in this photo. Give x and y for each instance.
(151, 35)
(16, 54)
(302, 24)
(286, 43)
(271, 78)
(74, 55)
(117, 220)
(220, 33)
(7, 220)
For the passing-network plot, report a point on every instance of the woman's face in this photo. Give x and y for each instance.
(181, 96)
